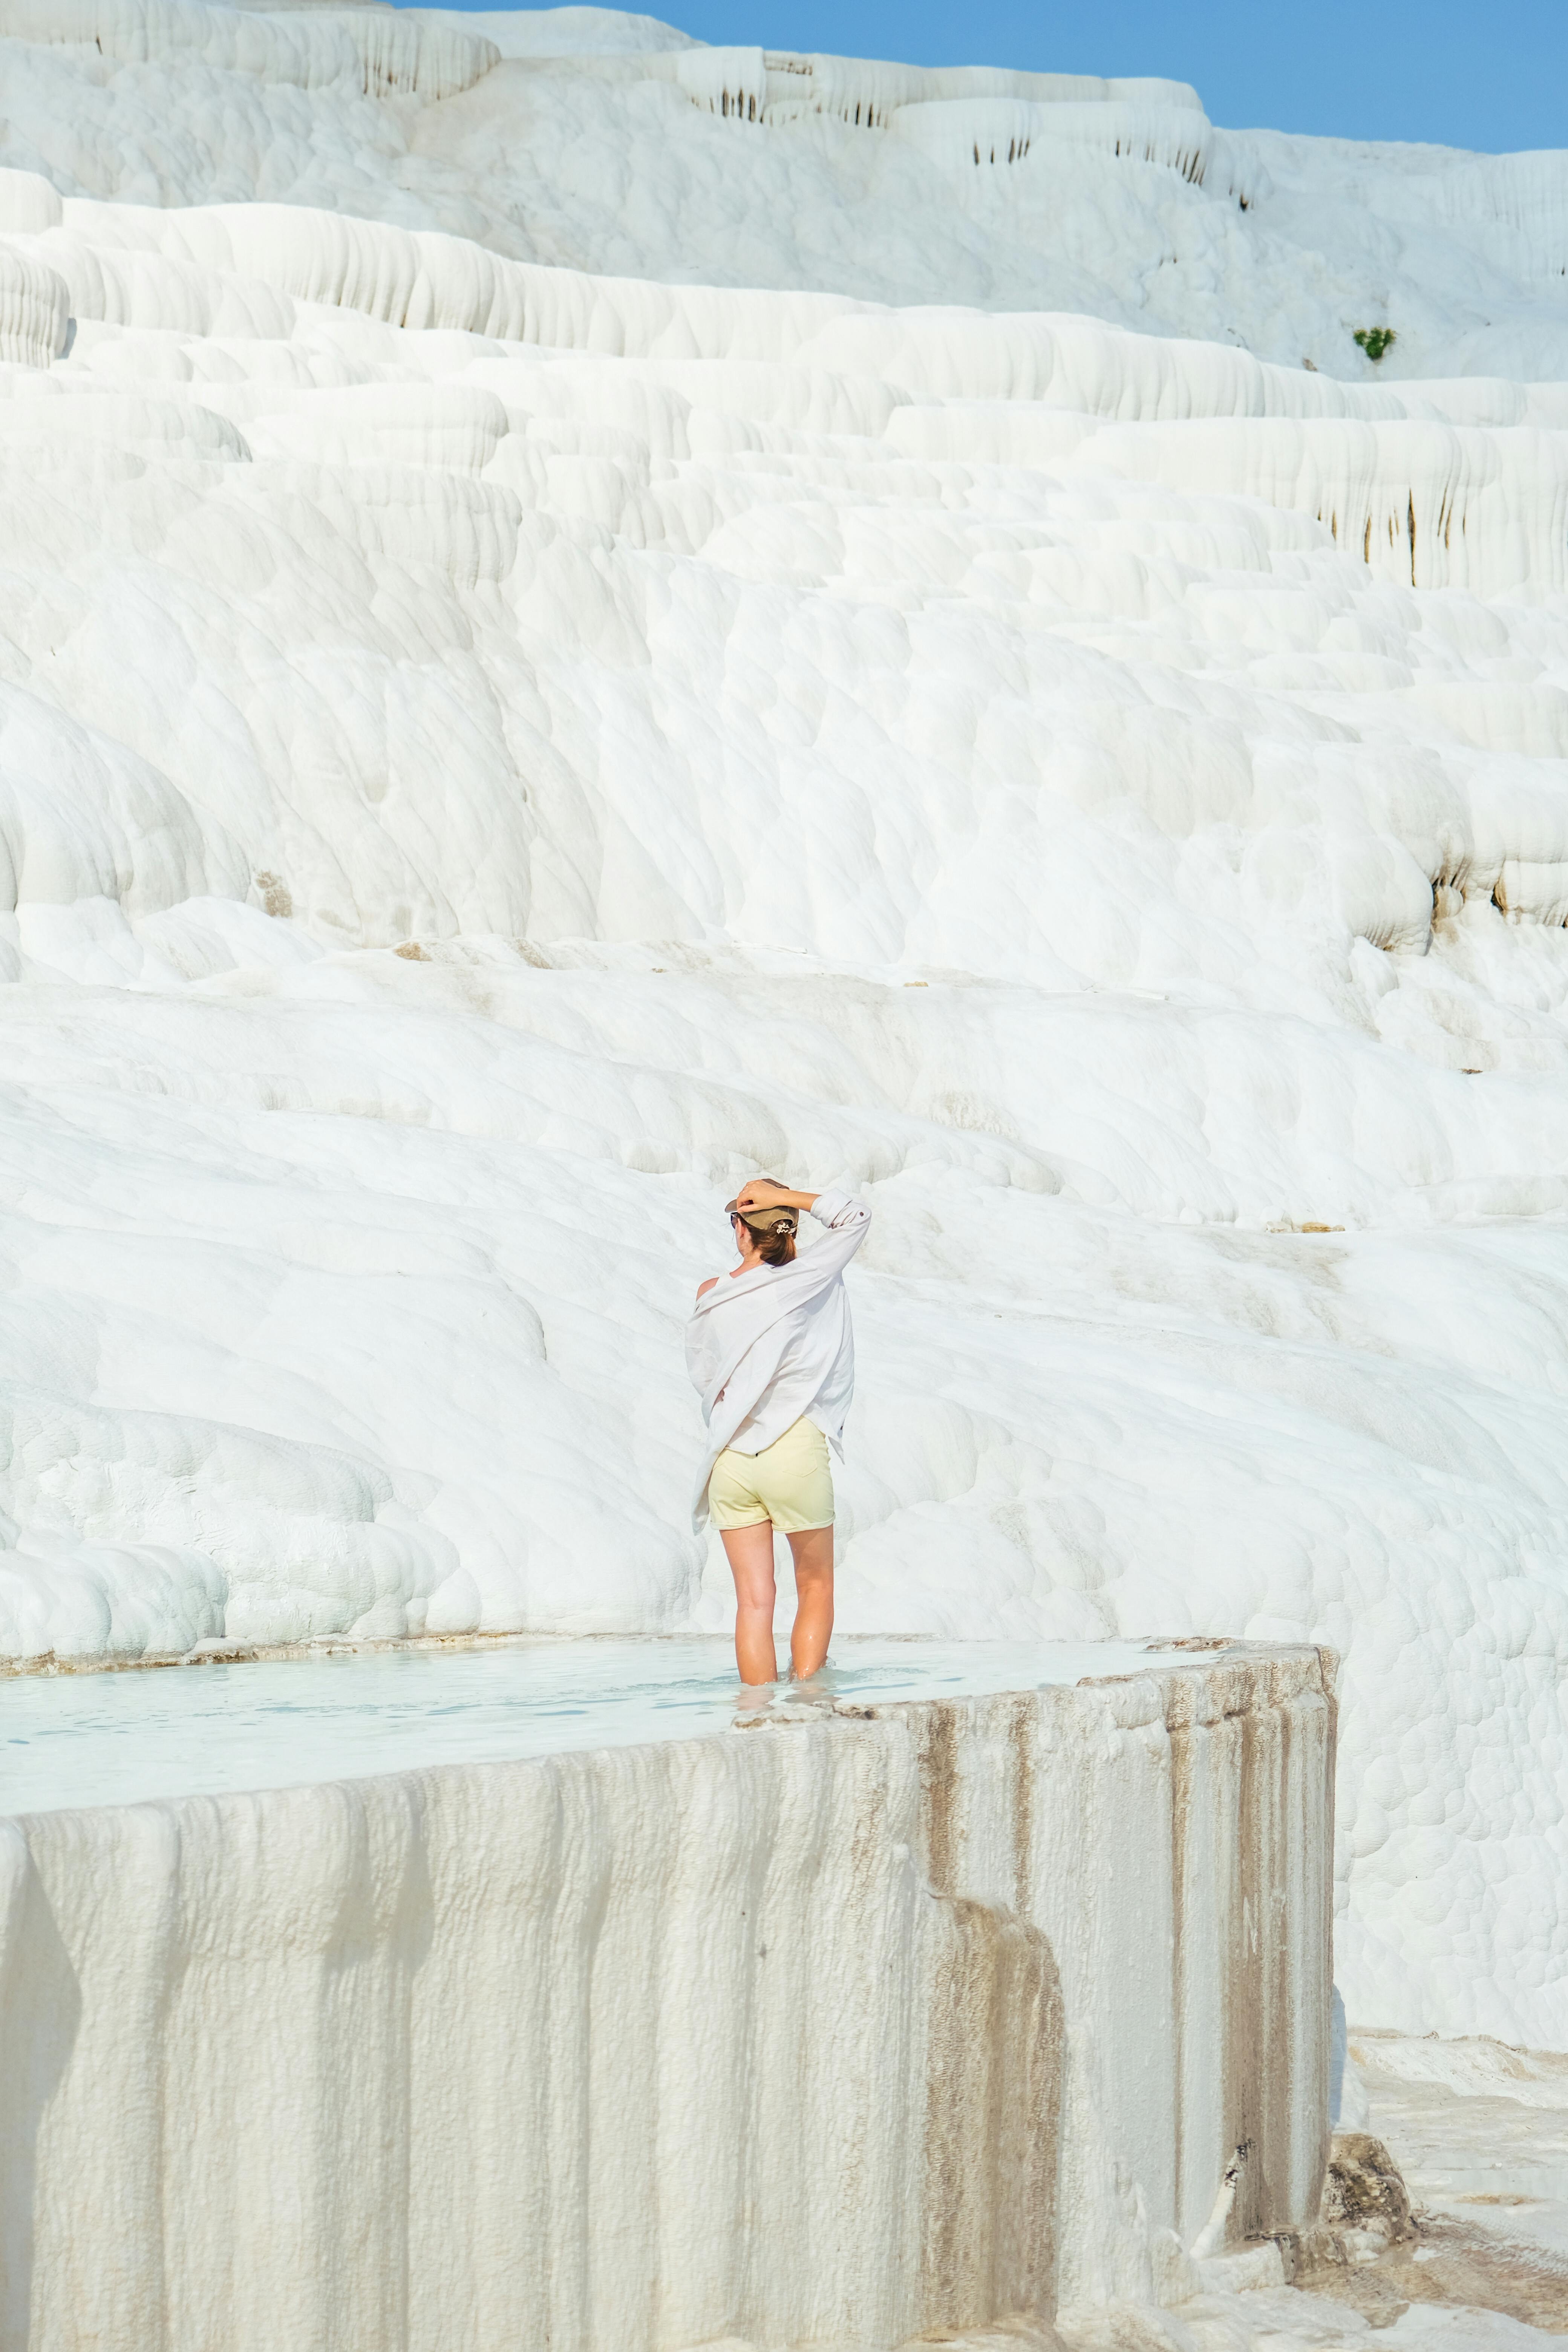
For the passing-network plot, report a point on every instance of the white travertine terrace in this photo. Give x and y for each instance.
(969, 1995)
(385, 52)
(616, 144)
(492, 750)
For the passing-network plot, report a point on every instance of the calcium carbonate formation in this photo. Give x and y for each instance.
(574, 2044)
(505, 727)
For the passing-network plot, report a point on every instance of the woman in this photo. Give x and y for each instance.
(769, 1346)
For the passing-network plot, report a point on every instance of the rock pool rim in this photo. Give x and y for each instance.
(69, 1743)
(217, 1651)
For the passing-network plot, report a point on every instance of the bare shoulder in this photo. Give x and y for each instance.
(704, 1288)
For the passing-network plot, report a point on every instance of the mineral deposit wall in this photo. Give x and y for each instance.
(832, 2030)
(493, 754)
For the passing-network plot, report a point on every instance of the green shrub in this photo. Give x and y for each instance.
(1375, 341)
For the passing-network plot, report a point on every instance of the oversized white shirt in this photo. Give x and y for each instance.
(775, 1346)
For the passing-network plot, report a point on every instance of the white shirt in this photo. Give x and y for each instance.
(775, 1346)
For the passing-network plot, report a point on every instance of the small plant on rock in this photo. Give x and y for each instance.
(1375, 341)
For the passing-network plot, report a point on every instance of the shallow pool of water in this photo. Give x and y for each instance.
(116, 1739)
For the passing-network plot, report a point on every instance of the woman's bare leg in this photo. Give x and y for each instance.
(750, 1552)
(814, 1599)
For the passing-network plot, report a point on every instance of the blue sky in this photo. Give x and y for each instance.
(1491, 77)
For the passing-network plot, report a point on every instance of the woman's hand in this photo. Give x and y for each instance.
(761, 1193)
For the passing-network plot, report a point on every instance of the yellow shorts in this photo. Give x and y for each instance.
(789, 1482)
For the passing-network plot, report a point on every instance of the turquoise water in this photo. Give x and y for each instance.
(200, 1730)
